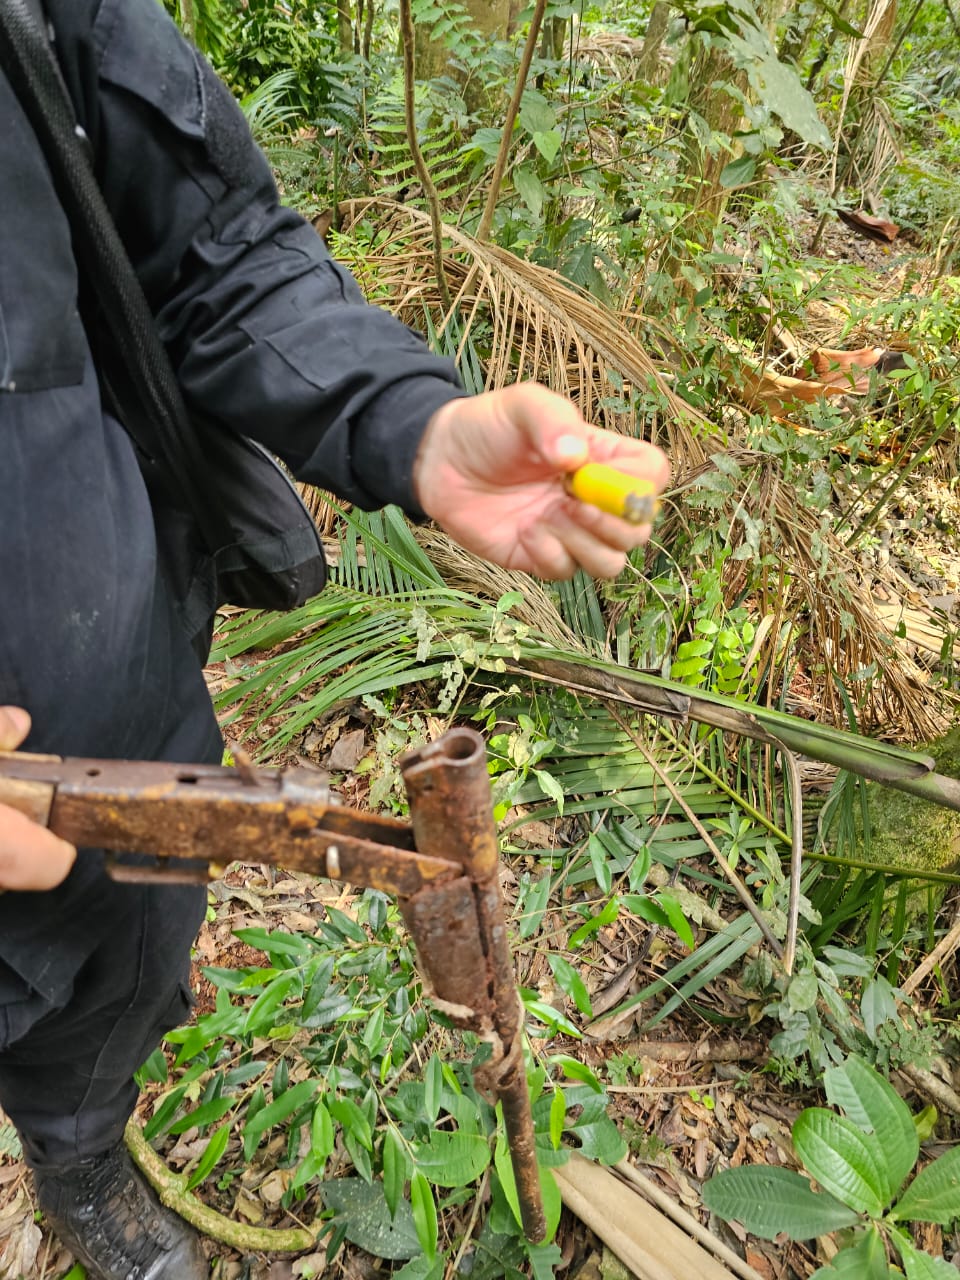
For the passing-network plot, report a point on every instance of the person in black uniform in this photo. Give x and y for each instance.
(272, 338)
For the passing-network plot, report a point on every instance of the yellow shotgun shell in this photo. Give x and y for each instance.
(617, 492)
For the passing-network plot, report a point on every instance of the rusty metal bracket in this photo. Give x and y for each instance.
(192, 820)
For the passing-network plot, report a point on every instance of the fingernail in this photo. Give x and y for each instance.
(570, 447)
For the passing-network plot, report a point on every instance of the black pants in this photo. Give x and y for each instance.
(66, 1062)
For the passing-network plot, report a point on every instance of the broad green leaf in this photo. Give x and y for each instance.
(877, 1004)
(545, 1260)
(287, 946)
(550, 787)
(606, 915)
(421, 1268)
(453, 1159)
(424, 1213)
(432, 1088)
(395, 1167)
(485, 140)
(536, 113)
(571, 984)
(919, 1265)
(573, 1069)
(353, 1120)
(558, 1112)
(317, 988)
(599, 1137)
(373, 1031)
(802, 992)
(275, 1113)
(322, 1137)
(530, 189)
(768, 1201)
(676, 916)
(534, 904)
(211, 1155)
(934, 1194)
(776, 85)
(339, 922)
(873, 1104)
(600, 863)
(864, 1260)
(154, 1069)
(840, 23)
(646, 908)
(208, 1113)
(549, 1190)
(738, 172)
(554, 1019)
(164, 1113)
(925, 1122)
(846, 1162)
(361, 1211)
(281, 1078)
(548, 143)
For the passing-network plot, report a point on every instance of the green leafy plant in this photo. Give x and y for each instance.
(303, 1067)
(860, 1156)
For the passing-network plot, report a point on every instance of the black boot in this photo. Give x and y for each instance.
(104, 1211)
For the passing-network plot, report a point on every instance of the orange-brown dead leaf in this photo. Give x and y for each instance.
(866, 224)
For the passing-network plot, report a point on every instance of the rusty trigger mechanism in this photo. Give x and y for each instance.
(442, 867)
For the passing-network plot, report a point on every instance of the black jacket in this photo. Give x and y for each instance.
(267, 334)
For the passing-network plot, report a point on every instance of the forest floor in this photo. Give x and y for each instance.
(691, 1095)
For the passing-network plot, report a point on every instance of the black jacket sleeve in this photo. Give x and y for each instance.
(268, 334)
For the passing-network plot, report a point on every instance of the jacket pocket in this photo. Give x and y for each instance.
(42, 342)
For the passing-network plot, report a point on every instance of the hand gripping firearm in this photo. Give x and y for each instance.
(442, 867)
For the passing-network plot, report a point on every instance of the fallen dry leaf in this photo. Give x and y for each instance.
(347, 751)
(20, 1238)
(867, 225)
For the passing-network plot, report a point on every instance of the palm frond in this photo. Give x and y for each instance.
(540, 325)
(519, 319)
(269, 109)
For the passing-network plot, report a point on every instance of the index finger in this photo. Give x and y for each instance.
(14, 727)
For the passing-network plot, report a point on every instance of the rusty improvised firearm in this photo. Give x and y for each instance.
(442, 867)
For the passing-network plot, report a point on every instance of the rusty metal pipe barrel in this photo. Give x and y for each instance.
(462, 941)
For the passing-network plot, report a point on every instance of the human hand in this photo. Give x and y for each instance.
(30, 856)
(490, 471)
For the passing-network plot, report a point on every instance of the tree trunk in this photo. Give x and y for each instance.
(554, 38)
(650, 68)
(722, 112)
(488, 17)
(344, 26)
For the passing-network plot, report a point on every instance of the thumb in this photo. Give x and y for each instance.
(14, 727)
(552, 425)
(569, 452)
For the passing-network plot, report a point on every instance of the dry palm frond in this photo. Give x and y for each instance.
(859, 67)
(612, 52)
(464, 571)
(537, 325)
(813, 589)
(543, 327)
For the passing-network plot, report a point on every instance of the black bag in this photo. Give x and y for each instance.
(231, 527)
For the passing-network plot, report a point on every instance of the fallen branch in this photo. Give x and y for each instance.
(172, 1189)
(934, 1088)
(944, 948)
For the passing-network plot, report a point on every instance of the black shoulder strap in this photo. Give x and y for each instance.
(148, 400)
